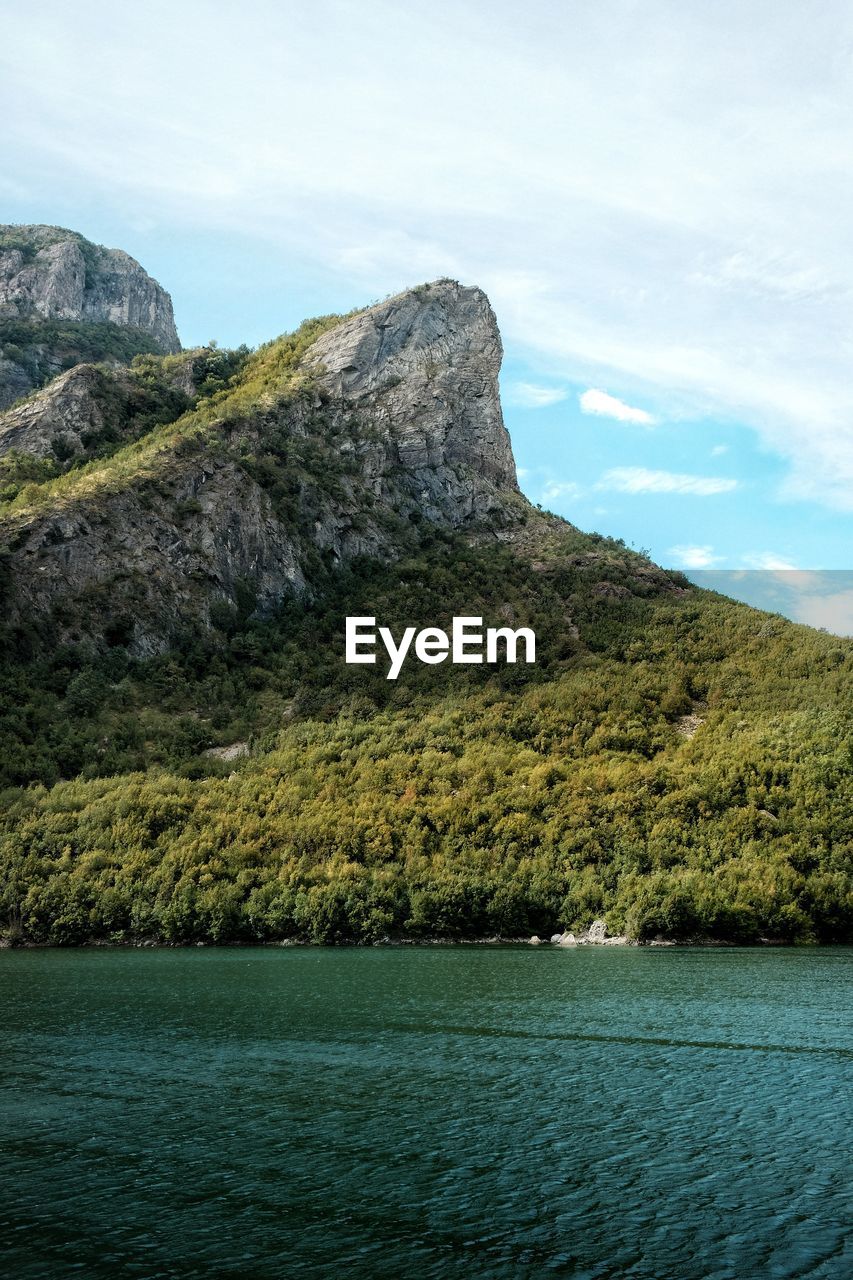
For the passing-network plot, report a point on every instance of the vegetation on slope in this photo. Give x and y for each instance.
(455, 801)
(44, 348)
(257, 380)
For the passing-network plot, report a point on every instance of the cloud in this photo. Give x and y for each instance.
(833, 612)
(819, 598)
(528, 395)
(562, 491)
(642, 480)
(605, 406)
(718, 450)
(692, 557)
(671, 218)
(768, 561)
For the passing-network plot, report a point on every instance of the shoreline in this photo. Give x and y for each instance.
(156, 944)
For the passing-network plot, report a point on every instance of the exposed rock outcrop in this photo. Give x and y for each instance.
(600, 936)
(64, 300)
(426, 364)
(59, 419)
(150, 559)
(687, 725)
(597, 935)
(48, 273)
(81, 406)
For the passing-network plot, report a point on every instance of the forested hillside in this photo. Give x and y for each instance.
(675, 762)
(185, 756)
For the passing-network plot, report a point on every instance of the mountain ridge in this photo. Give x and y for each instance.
(185, 756)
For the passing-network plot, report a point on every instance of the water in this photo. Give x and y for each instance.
(472, 1111)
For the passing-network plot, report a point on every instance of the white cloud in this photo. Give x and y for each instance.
(692, 557)
(817, 598)
(768, 561)
(718, 450)
(561, 491)
(528, 395)
(670, 218)
(642, 480)
(834, 612)
(606, 406)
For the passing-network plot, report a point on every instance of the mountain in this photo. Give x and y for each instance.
(64, 299)
(329, 444)
(188, 757)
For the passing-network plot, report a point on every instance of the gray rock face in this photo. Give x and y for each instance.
(427, 363)
(15, 381)
(62, 419)
(48, 273)
(135, 556)
(57, 417)
(598, 935)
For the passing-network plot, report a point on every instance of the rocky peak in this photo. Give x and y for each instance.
(427, 362)
(48, 273)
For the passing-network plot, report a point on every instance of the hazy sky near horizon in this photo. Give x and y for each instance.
(656, 195)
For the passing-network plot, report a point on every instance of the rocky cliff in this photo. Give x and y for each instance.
(62, 419)
(427, 364)
(316, 451)
(63, 298)
(48, 273)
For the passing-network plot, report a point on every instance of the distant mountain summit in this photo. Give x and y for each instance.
(64, 299)
(48, 273)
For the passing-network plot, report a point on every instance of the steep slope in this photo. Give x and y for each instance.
(250, 786)
(64, 299)
(330, 444)
(187, 756)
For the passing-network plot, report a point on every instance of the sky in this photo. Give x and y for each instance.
(655, 194)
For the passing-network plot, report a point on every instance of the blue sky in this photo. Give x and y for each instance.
(655, 195)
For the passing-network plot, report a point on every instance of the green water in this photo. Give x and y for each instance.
(471, 1111)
